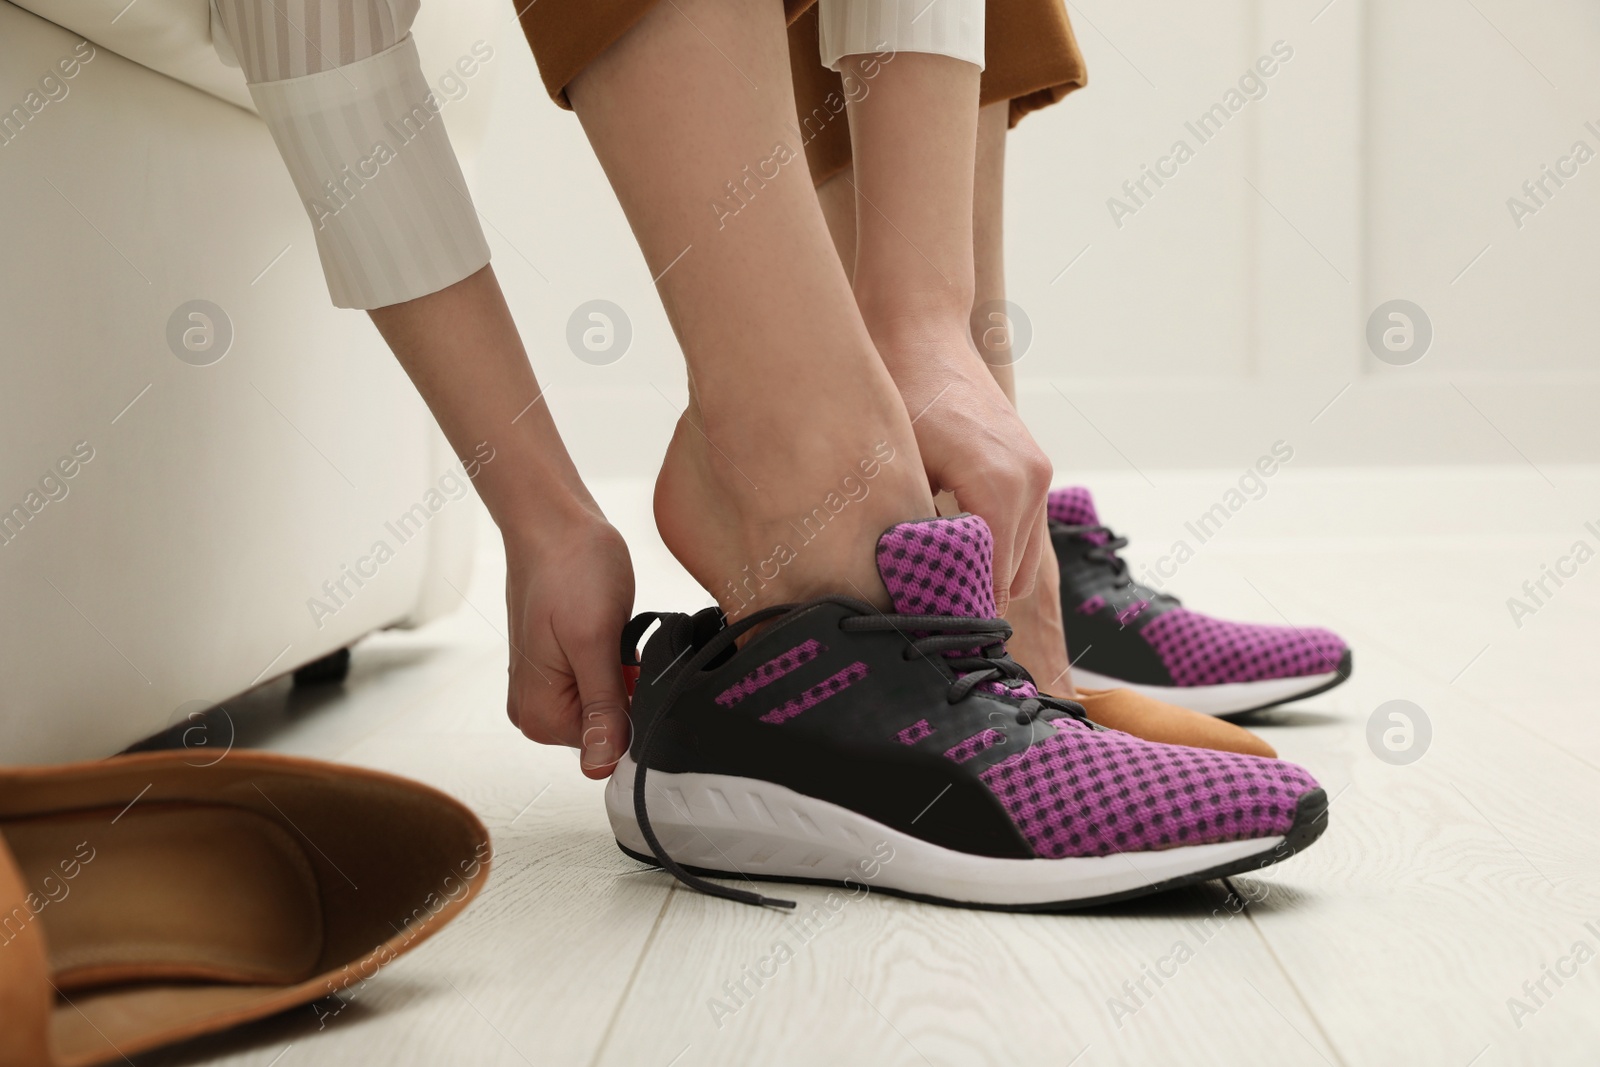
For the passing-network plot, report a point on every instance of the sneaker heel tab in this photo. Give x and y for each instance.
(667, 646)
(632, 631)
(706, 624)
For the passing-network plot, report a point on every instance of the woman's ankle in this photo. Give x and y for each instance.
(753, 542)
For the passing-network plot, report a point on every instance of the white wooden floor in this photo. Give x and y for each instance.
(1440, 888)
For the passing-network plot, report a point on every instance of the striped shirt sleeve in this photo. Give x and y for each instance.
(340, 87)
(951, 28)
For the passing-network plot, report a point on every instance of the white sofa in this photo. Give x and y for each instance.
(167, 524)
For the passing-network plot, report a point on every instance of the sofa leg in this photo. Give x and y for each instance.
(329, 670)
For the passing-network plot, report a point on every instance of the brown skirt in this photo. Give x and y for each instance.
(1032, 60)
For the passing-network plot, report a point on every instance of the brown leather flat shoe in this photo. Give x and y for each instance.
(145, 900)
(1155, 720)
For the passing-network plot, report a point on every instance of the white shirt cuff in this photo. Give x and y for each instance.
(951, 28)
(369, 155)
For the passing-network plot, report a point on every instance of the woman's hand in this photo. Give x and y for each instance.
(569, 591)
(569, 583)
(975, 447)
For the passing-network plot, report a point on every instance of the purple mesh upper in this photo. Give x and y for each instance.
(771, 671)
(1094, 793)
(915, 732)
(939, 567)
(1082, 791)
(943, 567)
(1074, 506)
(830, 686)
(973, 745)
(1199, 650)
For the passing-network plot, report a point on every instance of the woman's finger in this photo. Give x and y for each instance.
(603, 703)
(1003, 526)
(1035, 544)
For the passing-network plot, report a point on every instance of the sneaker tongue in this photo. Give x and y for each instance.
(939, 567)
(944, 567)
(1072, 506)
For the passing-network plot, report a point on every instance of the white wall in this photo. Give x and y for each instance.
(1230, 310)
(1218, 318)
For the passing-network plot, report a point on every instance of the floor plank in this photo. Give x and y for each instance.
(883, 980)
(1440, 888)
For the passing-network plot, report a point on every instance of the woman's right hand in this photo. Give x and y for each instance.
(569, 592)
(975, 447)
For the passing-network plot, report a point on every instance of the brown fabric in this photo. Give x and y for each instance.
(1031, 55)
(566, 35)
(1031, 59)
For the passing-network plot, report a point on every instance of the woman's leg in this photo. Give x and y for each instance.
(1040, 641)
(913, 132)
(765, 494)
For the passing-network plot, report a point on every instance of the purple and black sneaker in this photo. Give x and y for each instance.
(1121, 634)
(908, 752)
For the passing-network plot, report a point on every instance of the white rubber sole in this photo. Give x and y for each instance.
(1230, 698)
(744, 826)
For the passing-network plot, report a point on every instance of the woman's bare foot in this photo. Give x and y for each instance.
(796, 519)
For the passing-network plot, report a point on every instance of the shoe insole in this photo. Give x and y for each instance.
(164, 892)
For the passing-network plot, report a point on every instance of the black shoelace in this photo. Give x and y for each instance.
(984, 660)
(1105, 554)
